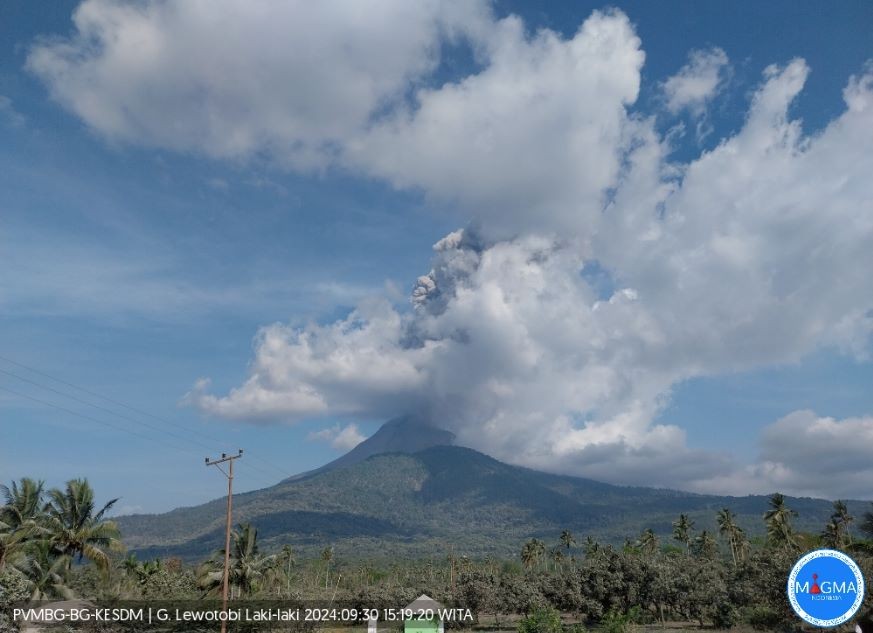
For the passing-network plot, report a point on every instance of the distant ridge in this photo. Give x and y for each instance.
(407, 492)
(406, 434)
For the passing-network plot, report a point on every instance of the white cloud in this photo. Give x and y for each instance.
(697, 82)
(804, 454)
(341, 438)
(317, 84)
(530, 142)
(754, 254)
(346, 367)
(284, 79)
(819, 455)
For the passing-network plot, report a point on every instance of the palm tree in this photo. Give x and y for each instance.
(778, 519)
(11, 543)
(141, 571)
(532, 552)
(130, 565)
(45, 572)
(528, 555)
(19, 516)
(682, 528)
(557, 556)
(287, 559)
(327, 556)
(23, 503)
(73, 527)
(831, 535)
(843, 520)
(744, 547)
(591, 546)
(567, 540)
(705, 545)
(648, 541)
(732, 532)
(247, 565)
(540, 548)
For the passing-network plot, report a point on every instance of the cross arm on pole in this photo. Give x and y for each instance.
(229, 459)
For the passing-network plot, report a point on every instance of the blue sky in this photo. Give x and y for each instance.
(135, 264)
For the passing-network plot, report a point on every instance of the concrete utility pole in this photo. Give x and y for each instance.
(229, 474)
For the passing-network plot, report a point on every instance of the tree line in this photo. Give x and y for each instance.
(718, 579)
(57, 544)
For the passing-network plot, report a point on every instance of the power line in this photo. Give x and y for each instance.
(93, 419)
(163, 421)
(101, 422)
(101, 396)
(110, 411)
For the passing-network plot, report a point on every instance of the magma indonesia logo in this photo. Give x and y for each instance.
(826, 588)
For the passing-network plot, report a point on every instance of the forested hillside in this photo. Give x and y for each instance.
(414, 505)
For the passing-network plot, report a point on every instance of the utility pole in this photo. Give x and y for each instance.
(452, 572)
(229, 474)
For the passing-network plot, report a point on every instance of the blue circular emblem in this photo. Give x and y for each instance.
(825, 588)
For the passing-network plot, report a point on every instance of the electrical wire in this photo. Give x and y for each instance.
(122, 416)
(211, 439)
(113, 426)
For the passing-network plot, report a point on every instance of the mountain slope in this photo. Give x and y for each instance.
(406, 434)
(416, 505)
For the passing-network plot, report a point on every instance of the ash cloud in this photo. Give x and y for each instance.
(754, 254)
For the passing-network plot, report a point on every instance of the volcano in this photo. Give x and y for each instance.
(408, 491)
(407, 434)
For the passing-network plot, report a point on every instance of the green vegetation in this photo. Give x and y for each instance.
(43, 533)
(412, 505)
(249, 569)
(57, 544)
(541, 620)
(617, 622)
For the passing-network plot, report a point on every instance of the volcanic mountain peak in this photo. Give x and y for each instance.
(405, 434)
(404, 492)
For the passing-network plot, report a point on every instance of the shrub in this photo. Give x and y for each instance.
(13, 590)
(616, 622)
(726, 616)
(165, 585)
(541, 620)
(764, 619)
